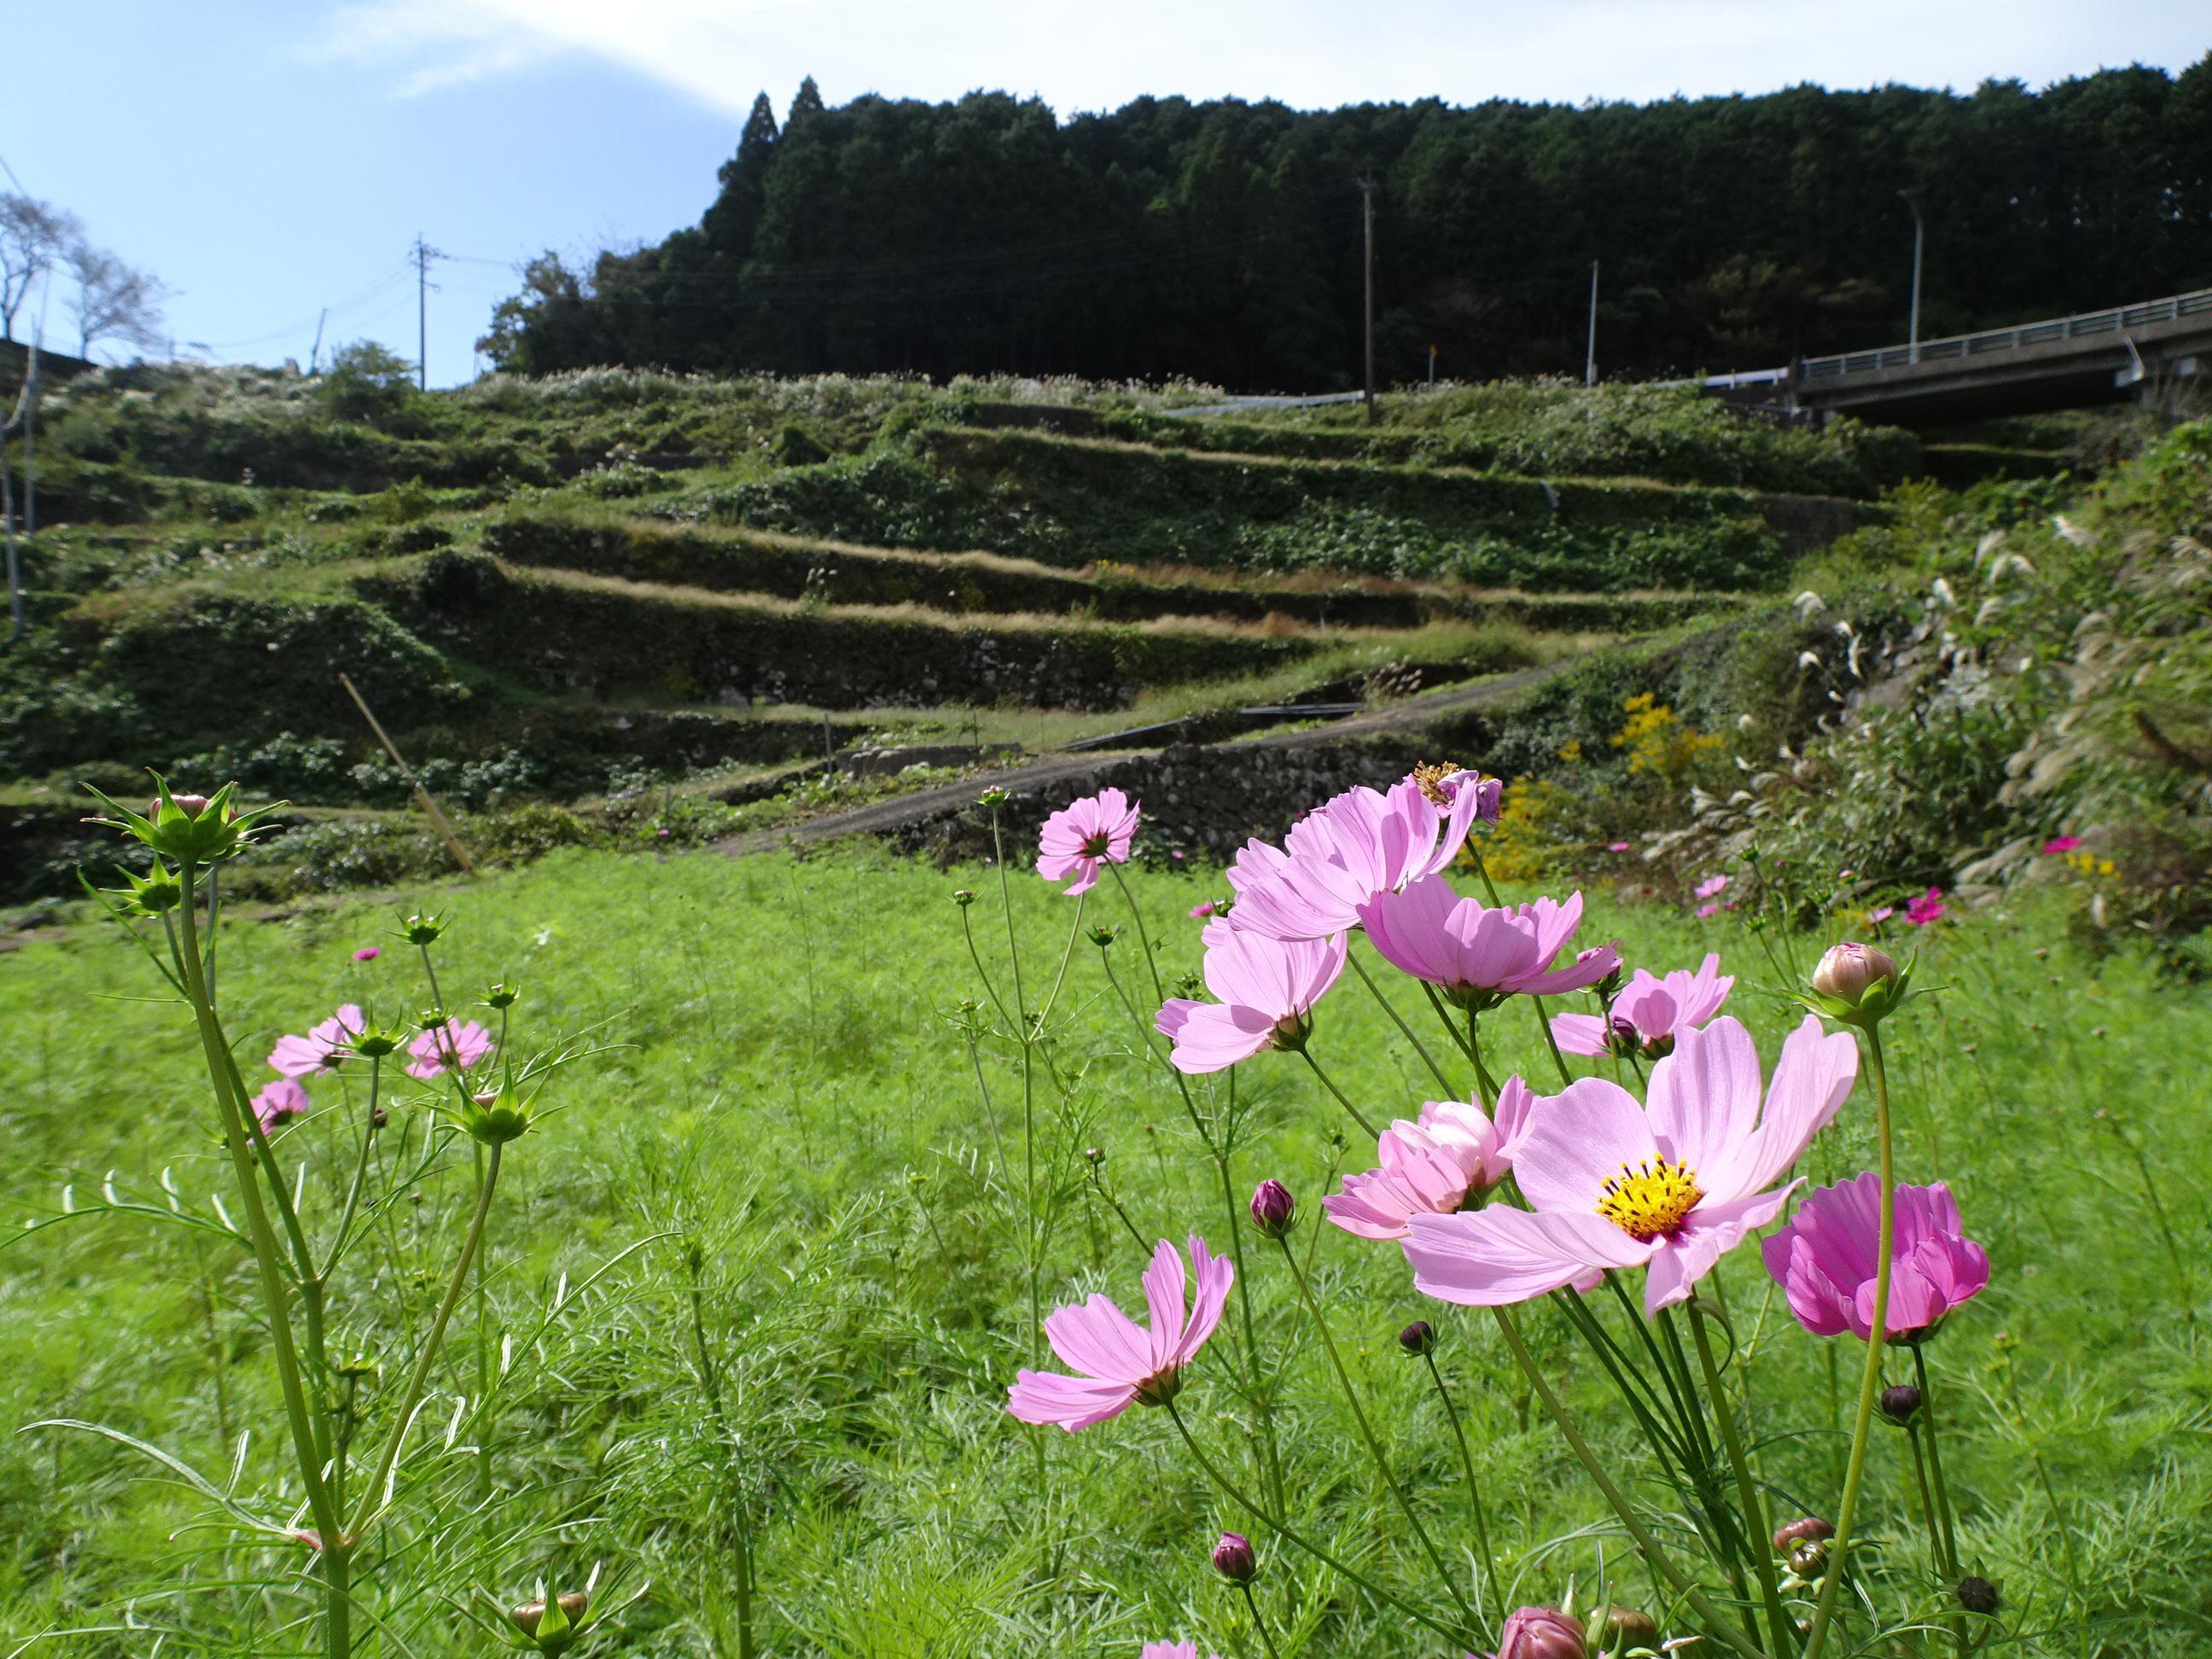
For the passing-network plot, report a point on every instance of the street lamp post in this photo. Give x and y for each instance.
(1919, 237)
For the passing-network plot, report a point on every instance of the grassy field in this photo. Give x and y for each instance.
(811, 1144)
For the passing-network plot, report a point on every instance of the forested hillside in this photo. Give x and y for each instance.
(1222, 241)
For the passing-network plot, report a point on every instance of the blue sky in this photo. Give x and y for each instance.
(269, 159)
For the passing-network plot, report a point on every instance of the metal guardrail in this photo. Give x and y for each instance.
(2085, 325)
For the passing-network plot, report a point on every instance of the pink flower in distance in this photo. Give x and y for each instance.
(1267, 988)
(367, 953)
(1711, 888)
(446, 1045)
(1925, 908)
(323, 1048)
(1881, 913)
(279, 1103)
(1617, 846)
(1825, 1259)
(1076, 839)
(1208, 907)
(1478, 954)
(1123, 1363)
(2061, 844)
(1431, 1166)
(1672, 1186)
(1647, 1014)
(1704, 910)
(1171, 1650)
(1341, 855)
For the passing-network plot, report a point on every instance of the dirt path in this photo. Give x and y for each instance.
(1397, 718)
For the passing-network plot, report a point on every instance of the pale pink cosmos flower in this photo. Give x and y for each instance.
(1083, 834)
(1881, 913)
(1185, 1650)
(1704, 910)
(279, 1103)
(1647, 1013)
(449, 1044)
(1267, 988)
(1713, 887)
(1123, 1363)
(1617, 846)
(1825, 1259)
(1479, 955)
(1433, 1165)
(1353, 846)
(1671, 1187)
(322, 1049)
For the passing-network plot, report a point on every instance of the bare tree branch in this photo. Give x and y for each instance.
(33, 236)
(113, 301)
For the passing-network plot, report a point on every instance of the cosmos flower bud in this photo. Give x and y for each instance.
(422, 930)
(1847, 970)
(191, 806)
(1094, 1155)
(1233, 1558)
(1812, 1528)
(993, 796)
(531, 1615)
(1899, 1404)
(1808, 1559)
(963, 897)
(495, 1117)
(1419, 1338)
(190, 829)
(552, 1624)
(1539, 1633)
(1977, 1595)
(1274, 1209)
(1630, 1628)
(1102, 936)
(501, 996)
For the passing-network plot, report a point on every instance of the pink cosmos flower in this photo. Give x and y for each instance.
(1704, 910)
(1352, 847)
(1646, 1015)
(1123, 1363)
(449, 1044)
(279, 1103)
(1672, 1186)
(2061, 844)
(322, 1049)
(1082, 833)
(1431, 1166)
(1825, 1259)
(1539, 1633)
(1882, 912)
(1617, 846)
(1171, 1650)
(1925, 908)
(1267, 988)
(1477, 955)
(367, 953)
(1209, 907)
(1711, 888)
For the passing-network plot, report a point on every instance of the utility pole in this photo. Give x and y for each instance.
(1912, 327)
(423, 253)
(315, 352)
(1589, 357)
(1432, 366)
(1367, 232)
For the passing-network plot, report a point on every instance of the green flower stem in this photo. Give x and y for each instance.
(1484, 1081)
(1747, 1490)
(1870, 1381)
(1067, 950)
(1144, 939)
(1257, 1620)
(1033, 1235)
(1473, 1493)
(1936, 1559)
(1716, 1623)
(372, 1493)
(1237, 1496)
(1544, 1025)
(1341, 1099)
(1367, 1433)
(1450, 1025)
(484, 1354)
(1936, 1459)
(1436, 1072)
(360, 1174)
(268, 1256)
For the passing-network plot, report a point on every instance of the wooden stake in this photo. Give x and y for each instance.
(437, 818)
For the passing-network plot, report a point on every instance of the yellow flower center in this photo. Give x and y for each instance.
(1431, 778)
(1650, 1201)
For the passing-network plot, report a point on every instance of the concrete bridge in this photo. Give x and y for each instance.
(2136, 352)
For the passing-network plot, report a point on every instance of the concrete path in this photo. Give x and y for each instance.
(1407, 718)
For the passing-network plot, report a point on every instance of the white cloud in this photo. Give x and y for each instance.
(1307, 53)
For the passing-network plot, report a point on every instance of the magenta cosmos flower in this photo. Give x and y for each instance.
(1171, 1650)
(1082, 835)
(279, 1103)
(1925, 908)
(1479, 955)
(1351, 847)
(323, 1048)
(1539, 1633)
(1614, 1184)
(1648, 1012)
(1267, 988)
(447, 1045)
(1433, 1165)
(1123, 1363)
(1824, 1260)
